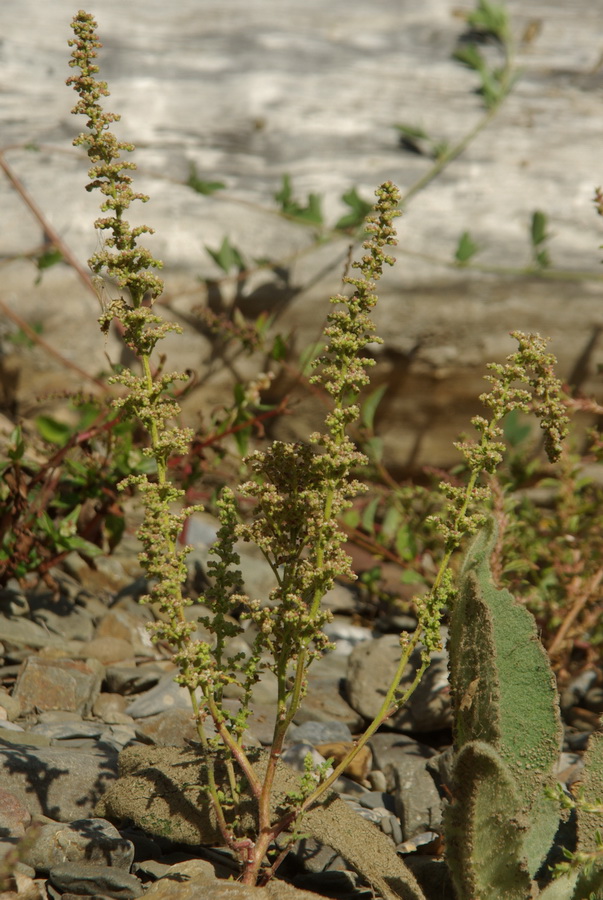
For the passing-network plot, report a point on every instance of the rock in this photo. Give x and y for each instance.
(129, 627)
(11, 706)
(313, 732)
(172, 728)
(165, 695)
(346, 636)
(372, 666)
(417, 801)
(94, 841)
(324, 703)
(316, 857)
(89, 880)
(58, 684)
(51, 782)
(433, 875)
(360, 766)
(388, 749)
(110, 708)
(126, 680)
(108, 650)
(195, 879)
(23, 632)
(14, 815)
(377, 800)
(67, 730)
(23, 887)
(74, 624)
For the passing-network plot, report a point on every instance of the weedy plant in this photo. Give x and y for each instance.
(299, 492)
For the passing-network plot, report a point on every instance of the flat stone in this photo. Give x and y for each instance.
(14, 815)
(79, 878)
(129, 627)
(165, 695)
(313, 732)
(51, 782)
(126, 680)
(76, 625)
(59, 731)
(388, 748)
(94, 841)
(417, 802)
(372, 666)
(172, 728)
(25, 633)
(324, 703)
(58, 684)
(108, 706)
(108, 650)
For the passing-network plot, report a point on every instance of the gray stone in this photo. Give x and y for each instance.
(88, 880)
(417, 801)
(313, 732)
(324, 703)
(128, 680)
(14, 815)
(94, 841)
(13, 601)
(376, 800)
(24, 633)
(172, 728)
(346, 636)
(389, 748)
(51, 782)
(75, 626)
(58, 684)
(165, 695)
(65, 730)
(372, 666)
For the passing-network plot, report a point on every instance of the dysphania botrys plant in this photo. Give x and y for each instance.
(298, 490)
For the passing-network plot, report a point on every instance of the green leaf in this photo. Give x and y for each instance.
(370, 405)
(391, 523)
(466, 248)
(470, 56)
(279, 348)
(515, 431)
(411, 577)
(227, 257)
(490, 18)
(368, 515)
(310, 214)
(351, 518)
(373, 448)
(242, 440)
(538, 227)
(412, 132)
(52, 431)
(308, 356)
(48, 259)
(405, 543)
(16, 447)
(201, 186)
(359, 210)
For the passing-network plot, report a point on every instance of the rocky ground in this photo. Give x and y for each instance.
(81, 681)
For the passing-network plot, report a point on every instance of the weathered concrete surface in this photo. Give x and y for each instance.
(250, 91)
